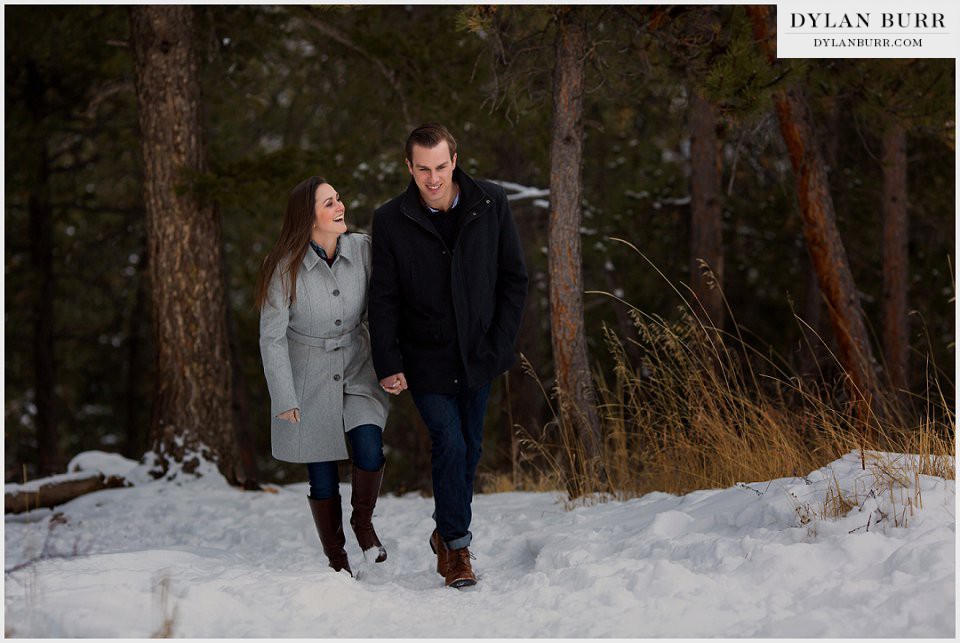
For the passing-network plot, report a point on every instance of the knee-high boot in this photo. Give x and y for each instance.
(328, 517)
(366, 489)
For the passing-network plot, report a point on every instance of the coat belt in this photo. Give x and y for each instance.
(326, 343)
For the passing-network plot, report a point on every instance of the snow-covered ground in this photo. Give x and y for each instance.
(201, 559)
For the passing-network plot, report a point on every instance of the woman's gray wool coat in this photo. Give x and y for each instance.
(316, 355)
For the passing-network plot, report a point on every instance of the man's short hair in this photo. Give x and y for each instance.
(429, 135)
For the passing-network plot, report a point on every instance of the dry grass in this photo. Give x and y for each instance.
(494, 482)
(704, 410)
(168, 612)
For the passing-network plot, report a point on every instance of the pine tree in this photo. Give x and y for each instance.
(820, 231)
(192, 415)
(574, 380)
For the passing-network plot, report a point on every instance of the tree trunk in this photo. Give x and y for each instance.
(49, 456)
(813, 333)
(56, 490)
(192, 413)
(820, 232)
(706, 239)
(896, 332)
(564, 263)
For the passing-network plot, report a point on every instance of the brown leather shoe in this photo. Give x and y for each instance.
(440, 549)
(366, 488)
(459, 570)
(328, 517)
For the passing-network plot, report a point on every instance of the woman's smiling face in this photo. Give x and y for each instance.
(329, 211)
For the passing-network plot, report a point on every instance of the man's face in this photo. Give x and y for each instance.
(432, 171)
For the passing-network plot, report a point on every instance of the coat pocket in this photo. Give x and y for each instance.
(299, 358)
(285, 440)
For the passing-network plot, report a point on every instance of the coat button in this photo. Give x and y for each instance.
(337, 323)
(336, 378)
(488, 200)
(456, 381)
(336, 293)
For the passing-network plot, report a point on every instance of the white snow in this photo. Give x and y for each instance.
(109, 464)
(79, 468)
(198, 558)
(517, 192)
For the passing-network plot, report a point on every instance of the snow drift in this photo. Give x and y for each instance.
(842, 552)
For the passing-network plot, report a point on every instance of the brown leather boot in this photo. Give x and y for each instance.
(440, 549)
(328, 517)
(366, 489)
(459, 570)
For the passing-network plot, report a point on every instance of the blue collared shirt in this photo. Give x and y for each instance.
(456, 200)
(323, 253)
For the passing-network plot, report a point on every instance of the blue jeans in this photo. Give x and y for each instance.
(455, 424)
(366, 446)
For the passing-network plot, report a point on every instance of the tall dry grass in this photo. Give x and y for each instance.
(706, 410)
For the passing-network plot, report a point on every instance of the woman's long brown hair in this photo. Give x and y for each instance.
(293, 242)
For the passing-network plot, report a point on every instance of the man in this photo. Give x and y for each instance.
(446, 295)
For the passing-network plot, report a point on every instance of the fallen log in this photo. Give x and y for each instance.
(56, 490)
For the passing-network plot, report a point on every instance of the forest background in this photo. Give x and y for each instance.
(683, 158)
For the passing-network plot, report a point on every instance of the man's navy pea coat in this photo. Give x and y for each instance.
(444, 315)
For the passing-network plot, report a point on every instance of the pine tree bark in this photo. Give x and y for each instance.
(812, 315)
(706, 237)
(896, 327)
(820, 232)
(564, 260)
(192, 413)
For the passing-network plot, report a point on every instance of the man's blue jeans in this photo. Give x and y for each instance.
(366, 446)
(455, 424)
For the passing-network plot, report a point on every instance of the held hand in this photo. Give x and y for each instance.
(394, 384)
(293, 415)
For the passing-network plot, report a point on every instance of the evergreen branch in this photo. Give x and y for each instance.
(101, 94)
(311, 15)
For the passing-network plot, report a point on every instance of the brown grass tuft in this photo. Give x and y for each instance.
(705, 410)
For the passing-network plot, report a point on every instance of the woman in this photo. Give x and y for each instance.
(312, 296)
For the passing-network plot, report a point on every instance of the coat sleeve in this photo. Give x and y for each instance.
(383, 311)
(274, 318)
(512, 277)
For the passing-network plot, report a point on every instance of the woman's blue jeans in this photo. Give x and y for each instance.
(366, 446)
(455, 424)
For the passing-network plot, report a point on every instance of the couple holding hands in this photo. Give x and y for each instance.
(432, 303)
